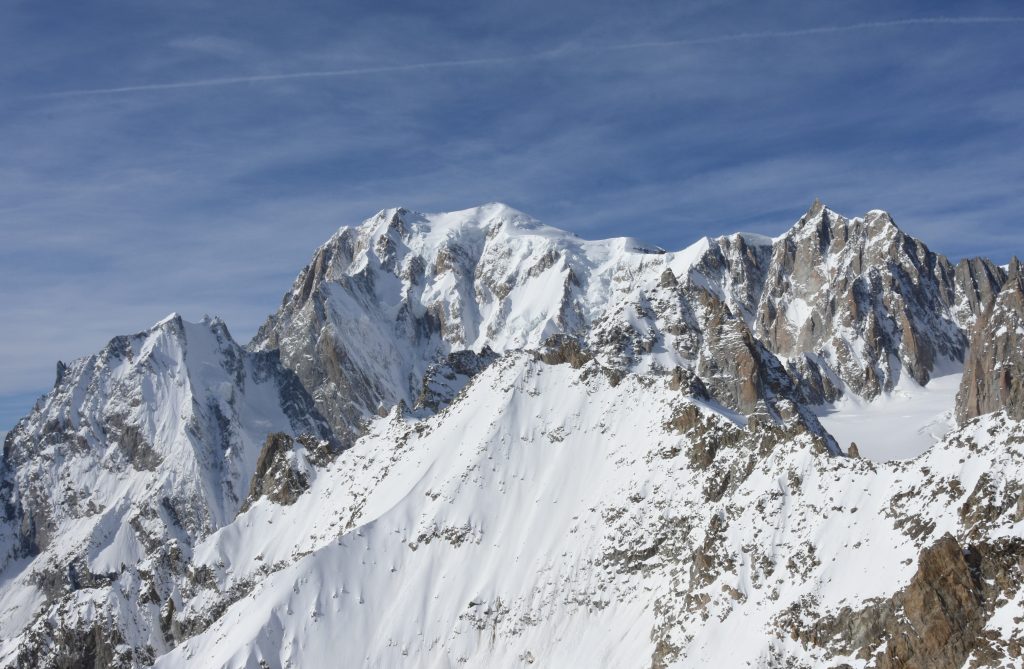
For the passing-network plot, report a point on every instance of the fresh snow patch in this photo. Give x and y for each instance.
(124, 550)
(897, 426)
(798, 311)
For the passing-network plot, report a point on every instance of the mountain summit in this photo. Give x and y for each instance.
(473, 439)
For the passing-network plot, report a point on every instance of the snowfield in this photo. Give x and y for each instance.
(900, 425)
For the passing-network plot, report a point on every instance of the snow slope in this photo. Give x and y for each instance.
(546, 516)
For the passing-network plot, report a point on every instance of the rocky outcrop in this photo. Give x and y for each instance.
(91, 646)
(938, 620)
(944, 612)
(735, 268)
(284, 470)
(978, 281)
(994, 371)
(311, 335)
(689, 383)
(563, 349)
(445, 379)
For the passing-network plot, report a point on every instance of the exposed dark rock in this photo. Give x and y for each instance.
(282, 471)
(978, 282)
(736, 368)
(705, 434)
(944, 612)
(59, 645)
(445, 379)
(560, 349)
(994, 371)
(936, 622)
(689, 383)
(128, 437)
(989, 501)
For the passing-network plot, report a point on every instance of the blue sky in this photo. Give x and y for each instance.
(189, 156)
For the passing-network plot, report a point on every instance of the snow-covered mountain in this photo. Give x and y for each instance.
(473, 439)
(136, 453)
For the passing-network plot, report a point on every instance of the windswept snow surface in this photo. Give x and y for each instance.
(897, 426)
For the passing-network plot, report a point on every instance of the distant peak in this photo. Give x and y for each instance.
(753, 238)
(173, 318)
(175, 324)
(816, 208)
(485, 210)
(215, 324)
(481, 216)
(488, 213)
(820, 213)
(879, 214)
(879, 223)
(1013, 270)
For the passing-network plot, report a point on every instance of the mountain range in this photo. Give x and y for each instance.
(471, 439)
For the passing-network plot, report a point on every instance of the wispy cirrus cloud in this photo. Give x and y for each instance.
(220, 46)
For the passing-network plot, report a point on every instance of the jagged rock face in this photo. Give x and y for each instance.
(147, 446)
(737, 369)
(978, 282)
(939, 620)
(380, 303)
(994, 370)
(866, 300)
(182, 395)
(734, 268)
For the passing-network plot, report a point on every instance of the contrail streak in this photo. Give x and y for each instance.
(821, 30)
(289, 76)
(482, 62)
